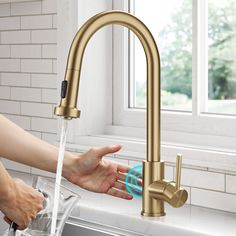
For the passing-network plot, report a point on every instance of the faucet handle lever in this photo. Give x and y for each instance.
(178, 170)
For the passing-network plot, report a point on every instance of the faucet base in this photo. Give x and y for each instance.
(153, 214)
(152, 171)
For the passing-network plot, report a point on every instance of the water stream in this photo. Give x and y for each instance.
(64, 128)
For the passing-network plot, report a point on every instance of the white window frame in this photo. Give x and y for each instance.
(214, 148)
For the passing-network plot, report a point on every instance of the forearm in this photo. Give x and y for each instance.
(20, 146)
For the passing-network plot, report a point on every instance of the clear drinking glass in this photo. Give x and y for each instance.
(41, 226)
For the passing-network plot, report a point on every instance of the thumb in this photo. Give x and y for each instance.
(100, 152)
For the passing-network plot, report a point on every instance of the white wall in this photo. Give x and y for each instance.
(28, 42)
(28, 76)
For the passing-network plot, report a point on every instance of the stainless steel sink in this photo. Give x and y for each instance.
(71, 230)
(79, 227)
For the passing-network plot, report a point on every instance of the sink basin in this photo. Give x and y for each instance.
(71, 230)
(85, 228)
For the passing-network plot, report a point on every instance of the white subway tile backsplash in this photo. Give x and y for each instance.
(54, 65)
(231, 184)
(36, 65)
(18, 1)
(49, 95)
(44, 125)
(5, 9)
(212, 199)
(9, 65)
(44, 80)
(50, 51)
(15, 37)
(188, 189)
(23, 121)
(4, 51)
(169, 173)
(5, 1)
(55, 21)
(36, 109)
(26, 8)
(44, 36)
(49, 6)
(9, 107)
(15, 79)
(28, 81)
(36, 22)
(203, 179)
(5, 92)
(26, 51)
(10, 23)
(26, 94)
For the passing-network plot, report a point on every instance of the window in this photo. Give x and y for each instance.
(221, 56)
(196, 40)
(171, 25)
(173, 29)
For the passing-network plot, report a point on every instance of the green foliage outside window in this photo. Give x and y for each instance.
(222, 53)
(177, 60)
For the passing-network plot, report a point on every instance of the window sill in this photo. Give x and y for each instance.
(197, 157)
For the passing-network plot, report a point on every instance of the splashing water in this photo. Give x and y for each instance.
(64, 128)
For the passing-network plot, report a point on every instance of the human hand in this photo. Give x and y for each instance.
(21, 204)
(93, 172)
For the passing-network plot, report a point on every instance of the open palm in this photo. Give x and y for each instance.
(93, 172)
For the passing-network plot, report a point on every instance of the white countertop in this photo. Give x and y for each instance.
(188, 220)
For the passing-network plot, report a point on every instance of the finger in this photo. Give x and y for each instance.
(123, 168)
(140, 182)
(6, 220)
(117, 193)
(132, 178)
(121, 177)
(100, 152)
(120, 185)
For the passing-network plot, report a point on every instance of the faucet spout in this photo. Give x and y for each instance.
(67, 107)
(153, 168)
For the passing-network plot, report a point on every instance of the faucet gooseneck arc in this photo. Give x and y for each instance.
(156, 190)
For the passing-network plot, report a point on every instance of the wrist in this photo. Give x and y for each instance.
(6, 191)
(69, 165)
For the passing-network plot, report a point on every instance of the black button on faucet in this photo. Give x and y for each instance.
(63, 88)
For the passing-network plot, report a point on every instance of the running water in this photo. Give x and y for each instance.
(64, 128)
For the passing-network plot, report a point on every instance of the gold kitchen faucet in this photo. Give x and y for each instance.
(156, 190)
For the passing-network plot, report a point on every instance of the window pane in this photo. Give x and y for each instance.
(222, 56)
(170, 21)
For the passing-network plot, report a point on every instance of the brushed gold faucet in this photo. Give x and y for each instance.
(156, 189)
